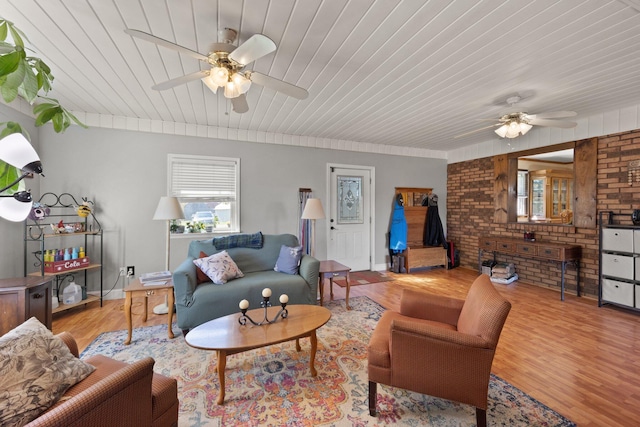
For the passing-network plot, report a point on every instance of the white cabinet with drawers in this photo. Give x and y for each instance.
(619, 261)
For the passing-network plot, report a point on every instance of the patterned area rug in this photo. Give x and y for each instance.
(272, 385)
(363, 278)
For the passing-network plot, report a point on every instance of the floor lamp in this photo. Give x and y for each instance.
(313, 210)
(168, 209)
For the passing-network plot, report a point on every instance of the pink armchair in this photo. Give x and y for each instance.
(439, 346)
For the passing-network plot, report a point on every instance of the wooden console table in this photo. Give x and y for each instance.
(549, 251)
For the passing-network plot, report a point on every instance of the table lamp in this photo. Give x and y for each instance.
(168, 209)
(313, 210)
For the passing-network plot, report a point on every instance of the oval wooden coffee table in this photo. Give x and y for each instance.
(226, 336)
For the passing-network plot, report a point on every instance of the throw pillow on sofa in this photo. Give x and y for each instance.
(36, 369)
(219, 267)
(200, 276)
(289, 259)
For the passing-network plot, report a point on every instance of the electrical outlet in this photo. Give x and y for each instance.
(131, 270)
(123, 271)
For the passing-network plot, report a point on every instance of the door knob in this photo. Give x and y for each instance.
(333, 228)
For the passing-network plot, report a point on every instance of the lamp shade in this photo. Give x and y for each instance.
(18, 152)
(16, 208)
(168, 208)
(313, 210)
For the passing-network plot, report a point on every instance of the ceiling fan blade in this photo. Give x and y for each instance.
(256, 47)
(162, 42)
(239, 104)
(553, 115)
(477, 130)
(180, 80)
(278, 85)
(552, 123)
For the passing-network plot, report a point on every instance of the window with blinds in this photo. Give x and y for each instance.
(208, 189)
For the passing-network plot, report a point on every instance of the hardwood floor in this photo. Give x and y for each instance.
(577, 358)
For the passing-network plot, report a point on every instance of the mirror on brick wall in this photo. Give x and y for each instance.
(549, 185)
(544, 187)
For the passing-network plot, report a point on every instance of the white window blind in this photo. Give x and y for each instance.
(204, 177)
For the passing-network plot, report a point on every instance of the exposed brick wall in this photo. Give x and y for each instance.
(470, 209)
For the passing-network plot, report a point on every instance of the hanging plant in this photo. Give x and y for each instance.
(30, 78)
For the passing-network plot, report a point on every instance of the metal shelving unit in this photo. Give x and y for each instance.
(41, 236)
(619, 261)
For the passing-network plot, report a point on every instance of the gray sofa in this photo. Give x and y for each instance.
(196, 304)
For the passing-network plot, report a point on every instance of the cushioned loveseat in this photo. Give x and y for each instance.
(199, 303)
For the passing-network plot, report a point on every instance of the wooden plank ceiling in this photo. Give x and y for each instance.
(405, 73)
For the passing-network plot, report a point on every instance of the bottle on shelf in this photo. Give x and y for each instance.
(81, 253)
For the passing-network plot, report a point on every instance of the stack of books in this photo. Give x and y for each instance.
(155, 278)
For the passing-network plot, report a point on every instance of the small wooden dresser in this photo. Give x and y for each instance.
(22, 298)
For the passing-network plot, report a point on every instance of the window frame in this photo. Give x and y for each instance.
(203, 161)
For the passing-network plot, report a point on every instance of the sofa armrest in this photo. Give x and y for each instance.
(310, 271)
(68, 339)
(122, 398)
(427, 306)
(185, 281)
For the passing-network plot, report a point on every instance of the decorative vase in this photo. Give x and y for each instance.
(635, 217)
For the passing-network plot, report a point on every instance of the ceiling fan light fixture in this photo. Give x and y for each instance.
(525, 127)
(231, 90)
(242, 83)
(219, 76)
(502, 131)
(210, 83)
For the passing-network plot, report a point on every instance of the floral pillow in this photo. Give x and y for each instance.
(36, 369)
(289, 260)
(219, 267)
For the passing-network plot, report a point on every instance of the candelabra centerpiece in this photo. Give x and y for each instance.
(265, 303)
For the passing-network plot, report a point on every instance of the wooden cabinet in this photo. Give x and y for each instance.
(619, 262)
(22, 298)
(550, 196)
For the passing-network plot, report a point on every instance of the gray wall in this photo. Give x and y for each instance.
(125, 173)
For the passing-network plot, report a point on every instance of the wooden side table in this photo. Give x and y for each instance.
(330, 270)
(22, 298)
(136, 288)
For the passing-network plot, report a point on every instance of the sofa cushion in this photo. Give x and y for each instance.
(219, 267)
(289, 260)
(248, 259)
(36, 369)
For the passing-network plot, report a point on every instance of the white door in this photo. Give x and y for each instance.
(349, 241)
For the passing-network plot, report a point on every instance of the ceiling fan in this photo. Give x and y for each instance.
(227, 63)
(512, 125)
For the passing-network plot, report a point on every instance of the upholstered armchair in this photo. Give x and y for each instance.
(439, 346)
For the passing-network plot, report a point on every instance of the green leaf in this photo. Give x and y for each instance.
(44, 106)
(9, 174)
(16, 34)
(9, 63)
(3, 30)
(75, 119)
(47, 115)
(12, 127)
(16, 78)
(30, 86)
(8, 93)
(58, 121)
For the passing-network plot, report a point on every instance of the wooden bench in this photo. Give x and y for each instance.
(417, 255)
